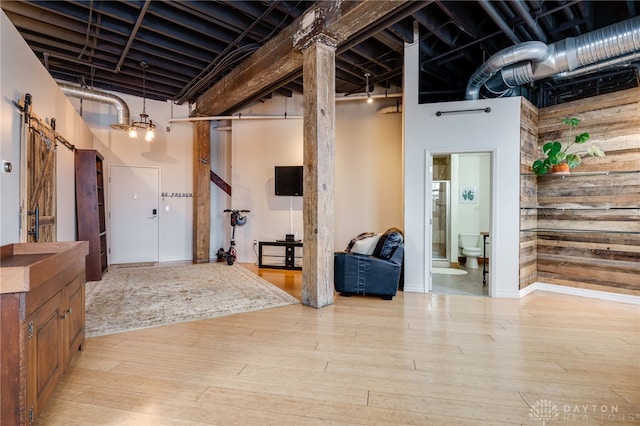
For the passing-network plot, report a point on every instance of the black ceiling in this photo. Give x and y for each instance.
(190, 45)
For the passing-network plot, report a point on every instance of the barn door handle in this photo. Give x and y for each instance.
(36, 231)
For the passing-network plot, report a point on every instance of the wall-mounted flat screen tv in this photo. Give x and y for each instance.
(288, 180)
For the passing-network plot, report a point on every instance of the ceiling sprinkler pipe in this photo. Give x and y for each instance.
(523, 11)
(498, 20)
(120, 105)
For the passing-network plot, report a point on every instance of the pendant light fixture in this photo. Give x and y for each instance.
(147, 126)
(369, 98)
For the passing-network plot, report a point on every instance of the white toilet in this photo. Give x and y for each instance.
(469, 244)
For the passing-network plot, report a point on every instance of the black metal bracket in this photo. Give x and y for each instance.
(36, 229)
(459, 111)
(28, 116)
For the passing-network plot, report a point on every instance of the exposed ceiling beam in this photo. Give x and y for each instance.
(278, 58)
(132, 36)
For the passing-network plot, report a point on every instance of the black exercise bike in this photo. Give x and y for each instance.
(236, 219)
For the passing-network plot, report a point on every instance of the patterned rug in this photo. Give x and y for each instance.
(135, 298)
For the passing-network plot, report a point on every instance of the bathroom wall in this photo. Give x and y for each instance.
(473, 216)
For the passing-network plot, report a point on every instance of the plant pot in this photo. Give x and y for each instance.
(560, 168)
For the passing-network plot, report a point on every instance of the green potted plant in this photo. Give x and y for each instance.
(558, 158)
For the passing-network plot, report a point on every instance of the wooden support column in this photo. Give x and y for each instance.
(319, 165)
(201, 192)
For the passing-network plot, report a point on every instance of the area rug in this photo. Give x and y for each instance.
(133, 265)
(449, 271)
(136, 298)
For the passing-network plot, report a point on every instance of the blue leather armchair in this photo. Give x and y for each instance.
(378, 274)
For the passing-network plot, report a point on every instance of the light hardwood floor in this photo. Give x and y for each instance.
(468, 285)
(418, 359)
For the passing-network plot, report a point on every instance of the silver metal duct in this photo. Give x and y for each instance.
(527, 51)
(573, 54)
(121, 106)
(622, 61)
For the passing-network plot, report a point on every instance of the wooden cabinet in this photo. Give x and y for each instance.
(45, 353)
(90, 207)
(42, 316)
(74, 316)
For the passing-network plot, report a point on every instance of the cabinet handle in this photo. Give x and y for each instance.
(69, 310)
(64, 316)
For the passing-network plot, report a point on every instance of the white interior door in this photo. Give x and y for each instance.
(134, 195)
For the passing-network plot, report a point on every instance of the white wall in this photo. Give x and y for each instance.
(20, 73)
(368, 160)
(368, 171)
(473, 171)
(257, 147)
(497, 132)
(171, 151)
(369, 189)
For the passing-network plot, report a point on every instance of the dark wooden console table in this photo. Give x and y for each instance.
(289, 255)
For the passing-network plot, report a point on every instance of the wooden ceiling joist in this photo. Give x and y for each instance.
(279, 58)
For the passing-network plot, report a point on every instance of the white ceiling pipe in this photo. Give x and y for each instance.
(358, 97)
(236, 117)
(363, 96)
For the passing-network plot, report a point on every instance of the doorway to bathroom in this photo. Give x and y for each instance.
(460, 223)
(440, 235)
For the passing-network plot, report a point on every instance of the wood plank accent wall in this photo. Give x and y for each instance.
(586, 225)
(528, 192)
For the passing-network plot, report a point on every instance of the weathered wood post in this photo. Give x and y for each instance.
(201, 192)
(318, 71)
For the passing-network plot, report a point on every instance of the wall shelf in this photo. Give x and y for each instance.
(580, 174)
(587, 208)
(577, 231)
(90, 210)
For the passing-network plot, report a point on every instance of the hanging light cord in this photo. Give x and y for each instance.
(144, 66)
(143, 124)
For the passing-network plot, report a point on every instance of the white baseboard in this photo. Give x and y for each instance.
(582, 292)
(413, 289)
(507, 294)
